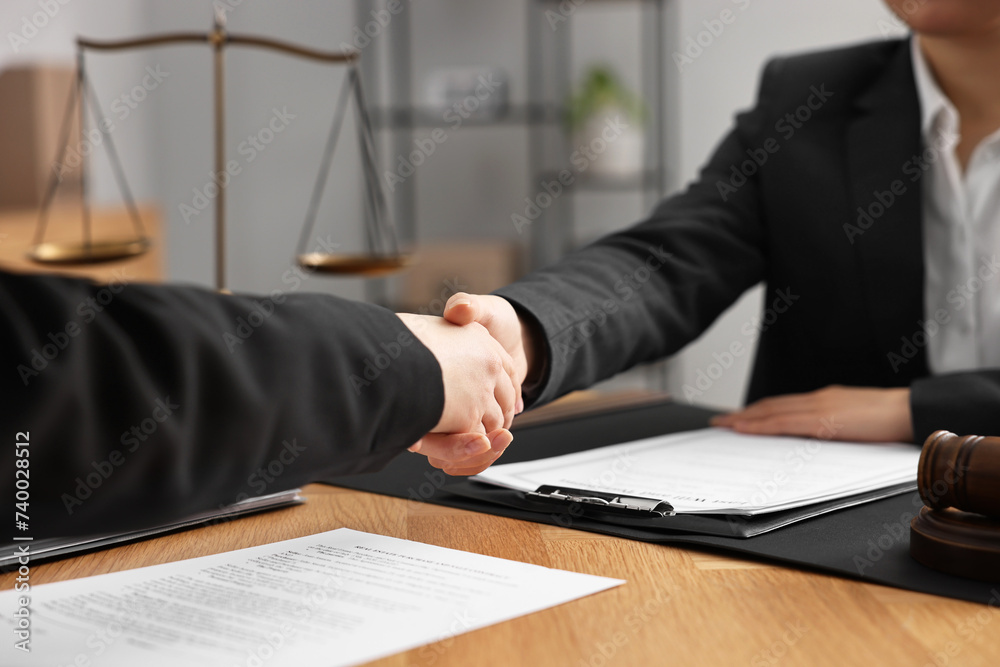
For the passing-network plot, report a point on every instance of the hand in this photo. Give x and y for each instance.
(495, 313)
(479, 395)
(831, 413)
(463, 454)
(480, 390)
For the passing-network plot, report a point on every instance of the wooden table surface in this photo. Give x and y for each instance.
(679, 607)
(17, 231)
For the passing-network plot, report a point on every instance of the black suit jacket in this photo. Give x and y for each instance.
(148, 403)
(840, 131)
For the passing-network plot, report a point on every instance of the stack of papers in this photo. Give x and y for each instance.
(718, 471)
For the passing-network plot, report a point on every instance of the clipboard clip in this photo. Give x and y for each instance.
(604, 501)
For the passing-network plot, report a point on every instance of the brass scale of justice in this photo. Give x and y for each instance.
(383, 256)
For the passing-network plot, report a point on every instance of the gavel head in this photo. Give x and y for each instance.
(960, 472)
(959, 530)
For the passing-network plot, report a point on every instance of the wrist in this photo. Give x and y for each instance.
(533, 344)
(905, 426)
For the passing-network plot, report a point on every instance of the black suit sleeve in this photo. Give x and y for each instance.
(147, 403)
(645, 292)
(964, 403)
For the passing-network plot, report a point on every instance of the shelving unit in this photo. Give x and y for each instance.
(548, 77)
(550, 52)
(547, 73)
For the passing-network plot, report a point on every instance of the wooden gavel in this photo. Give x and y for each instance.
(958, 531)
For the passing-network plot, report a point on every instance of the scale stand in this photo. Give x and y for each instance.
(383, 256)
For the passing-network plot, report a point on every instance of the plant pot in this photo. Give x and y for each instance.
(618, 148)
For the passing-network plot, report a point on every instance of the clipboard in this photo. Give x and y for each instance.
(653, 514)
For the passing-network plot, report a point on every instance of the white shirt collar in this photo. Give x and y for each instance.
(937, 113)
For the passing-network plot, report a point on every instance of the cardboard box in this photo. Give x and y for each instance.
(33, 101)
(441, 269)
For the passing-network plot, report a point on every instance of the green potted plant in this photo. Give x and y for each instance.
(607, 120)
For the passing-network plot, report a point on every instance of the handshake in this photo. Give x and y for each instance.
(485, 352)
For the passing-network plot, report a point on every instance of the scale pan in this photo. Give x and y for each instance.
(357, 265)
(92, 253)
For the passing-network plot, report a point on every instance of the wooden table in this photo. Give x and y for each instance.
(17, 230)
(679, 607)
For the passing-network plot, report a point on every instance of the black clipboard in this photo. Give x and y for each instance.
(656, 515)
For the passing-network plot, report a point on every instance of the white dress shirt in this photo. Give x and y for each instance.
(961, 224)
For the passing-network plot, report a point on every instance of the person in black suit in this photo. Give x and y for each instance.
(142, 404)
(882, 301)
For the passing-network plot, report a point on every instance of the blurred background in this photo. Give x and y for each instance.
(507, 133)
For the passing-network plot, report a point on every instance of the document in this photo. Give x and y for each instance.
(718, 471)
(337, 598)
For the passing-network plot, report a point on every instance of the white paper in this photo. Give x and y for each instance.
(718, 471)
(336, 598)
